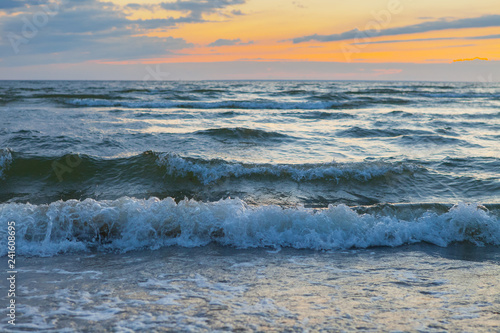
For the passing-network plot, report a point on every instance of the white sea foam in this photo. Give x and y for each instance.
(5, 161)
(128, 224)
(211, 171)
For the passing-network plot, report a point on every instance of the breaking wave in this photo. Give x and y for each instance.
(130, 224)
(208, 171)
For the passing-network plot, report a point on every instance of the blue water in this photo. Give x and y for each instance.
(318, 165)
(252, 206)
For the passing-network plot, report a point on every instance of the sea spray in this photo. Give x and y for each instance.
(129, 224)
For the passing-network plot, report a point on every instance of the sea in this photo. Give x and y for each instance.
(250, 206)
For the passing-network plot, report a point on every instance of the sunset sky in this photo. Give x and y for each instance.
(250, 39)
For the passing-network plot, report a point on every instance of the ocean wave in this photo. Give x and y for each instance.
(450, 86)
(177, 114)
(78, 96)
(135, 90)
(494, 115)
(208, 90)
(400, 113)
(5, 161)
(240, 104)
(376, 91)
(241, 133)
(447, 116)
(341, 99)
(359, 132)
(291, 92)
(320, 115)
(130, 224)
(456, 95)
(199, 105)
(434, 139)
(227, 114)
(8, 98)
(82, 167)
(209, 171)
(154, 166)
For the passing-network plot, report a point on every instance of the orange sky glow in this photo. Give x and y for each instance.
(120, 38)
(270, 27)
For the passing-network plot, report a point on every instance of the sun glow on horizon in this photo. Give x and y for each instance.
(121, 32)
(264, 31)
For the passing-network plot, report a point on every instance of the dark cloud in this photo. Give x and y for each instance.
(228, 42)
(193, 10)
(484, 37)
(80, 30)
(441, 24)
(134, 6)
(81, 49)
(224, 42)
(7, 5)
(197, 8)
(428, 39)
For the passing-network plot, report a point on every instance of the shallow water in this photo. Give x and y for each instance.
(410, 289)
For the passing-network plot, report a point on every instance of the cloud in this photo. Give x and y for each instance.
(224, 42)
(193, 10)
(8, 5)
(134, 6)
(441, 24)
(70, 50)
(428, 39)
(228, 42)
(82, 30)
(197, 8)
(484, 37)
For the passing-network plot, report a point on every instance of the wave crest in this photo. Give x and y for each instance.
(315, 104)
(128, 224)
(208, 171)
(240, 133)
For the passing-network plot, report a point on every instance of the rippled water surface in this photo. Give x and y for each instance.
(122, 172)
(265, 142)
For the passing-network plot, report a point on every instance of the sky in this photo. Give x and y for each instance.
(442, 40)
